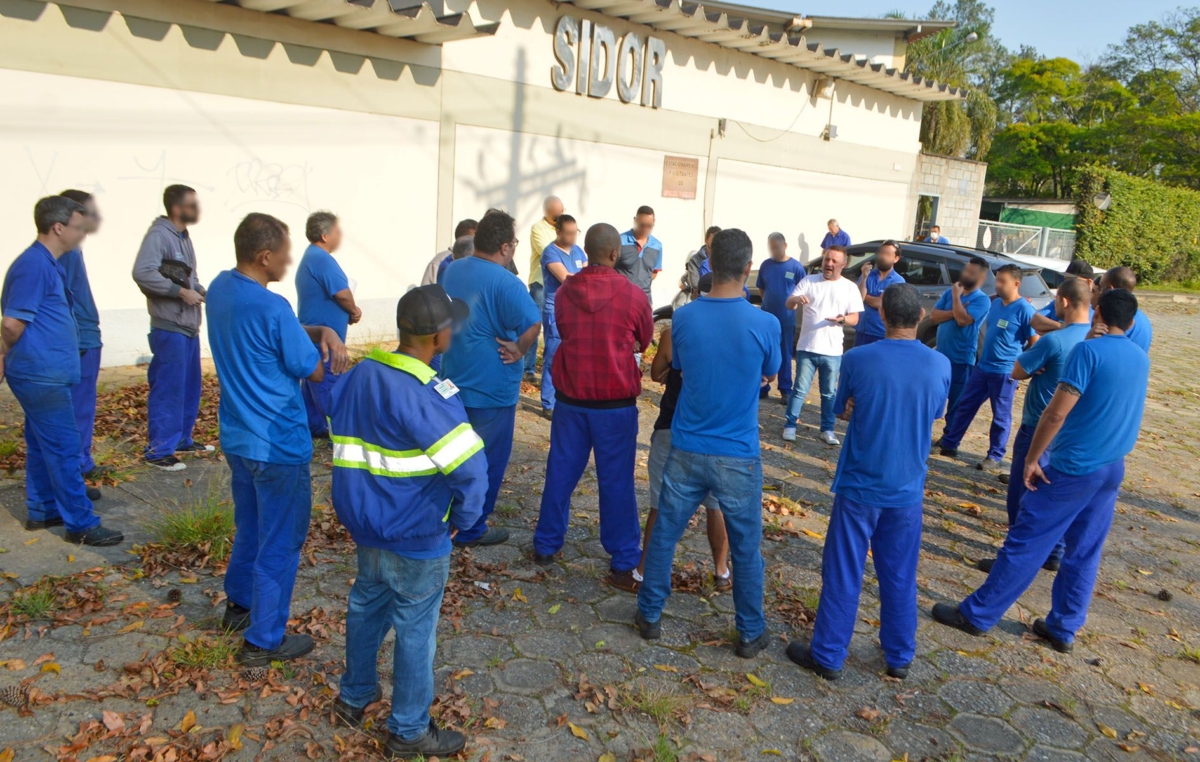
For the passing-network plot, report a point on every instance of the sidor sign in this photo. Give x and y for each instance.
(591, 59)
(680, 175)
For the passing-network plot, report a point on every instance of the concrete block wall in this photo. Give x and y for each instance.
(958, 183)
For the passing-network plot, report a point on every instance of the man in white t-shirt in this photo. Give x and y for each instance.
(829, 302)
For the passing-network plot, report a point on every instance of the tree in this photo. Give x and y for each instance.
(1163, 54)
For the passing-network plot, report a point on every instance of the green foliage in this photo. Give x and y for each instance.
(34, 603)
(1150, 227)
(205, 527)
(204, 652)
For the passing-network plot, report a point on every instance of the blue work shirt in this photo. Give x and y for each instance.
(939, 239)
(87, 317)
(723, 347)
(318, 278)
(869, 322)
(1111, 373)
(1050, 311)
(888, 437)
(639, 263)
(443, 266)
(501, 307)
(961, 343)
(35, 293)
(1008, 330)
(1049, 356)
(775, 282)
(261, 352)
(841, 239)
(1141, 332)
(574, 260)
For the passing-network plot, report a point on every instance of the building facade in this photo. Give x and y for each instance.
(404, 121)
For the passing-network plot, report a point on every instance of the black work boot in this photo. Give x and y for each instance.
(435, 743)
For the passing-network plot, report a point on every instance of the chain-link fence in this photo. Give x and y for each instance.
(1008, 238)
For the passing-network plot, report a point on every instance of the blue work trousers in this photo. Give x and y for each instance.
(736, 483)
(53, 482)
(392, 591)
(998, 388)
(893, 536)
(1016, 480)
(174, 400)
(316, 401)
(1075, 509)
(494, 425)
(809, 364)
(83, 399)
(550, 341)
(787, 348)
(575, 433)
(272, 505)
(959, 373)
(537, 291)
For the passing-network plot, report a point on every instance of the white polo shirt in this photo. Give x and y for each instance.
(827, 299)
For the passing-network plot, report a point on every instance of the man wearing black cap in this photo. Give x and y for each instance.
(402, 452)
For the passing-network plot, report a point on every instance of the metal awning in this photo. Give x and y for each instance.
(414, 22)
(762, 37)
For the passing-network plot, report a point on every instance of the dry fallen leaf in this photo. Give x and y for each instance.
(781, 700)
(459, 675)
(1106, 730)
(6, 755)
(1131, 748)
(519, 596)
(131, 627)
(30, 542)
(665, 668)
(113, 721)
(577, 731)
(15, 665)
(772, 752)
(554, 609)
(52, 666)
(102, 758)
(868, 714)
(756, 681)
(235, 736)
(607, 757)
(188, 722)
(814, 535)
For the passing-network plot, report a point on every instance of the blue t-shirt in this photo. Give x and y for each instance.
(723, 347)
(869, 322)
(887, 440)
(261, 352)
(443, 266)
(574, 261)
(775, 282)
(1112, 373)
(961, 343)
(1008, 330)
(1141, 332)
(318, 278)
(1050, 312)
(841, 239)
(501, 307)
(87, 317)
(1048, 355)
(35, 292)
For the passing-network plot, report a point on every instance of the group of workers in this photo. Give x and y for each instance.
(429, 427)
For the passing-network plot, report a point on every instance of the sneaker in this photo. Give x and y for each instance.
(948, 452)
(352, 716)
(544, 559)
(1042, 630)
(1003, 478)
(987, 465)
(32, 525)
(166, 463)
(723, 584)
(94, 494)
(625, 581)
(800, 653)
(985, 565)
(789, 433)
(96, 537)
(949, 615)
(1052, 564)
(829, 438)
(900, 673)
(748, 649)
(292, 647)
(236, 619)
(195, 447)
(648, 630)
(98, 472)
(436, 742)
(493, 536)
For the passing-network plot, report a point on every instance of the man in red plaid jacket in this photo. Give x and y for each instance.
(602, 320)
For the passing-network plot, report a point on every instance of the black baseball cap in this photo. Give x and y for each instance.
(426, 310)
(706, 283)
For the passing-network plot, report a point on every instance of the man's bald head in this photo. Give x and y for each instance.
(1120, 277)
(602, 244)
(552, 207)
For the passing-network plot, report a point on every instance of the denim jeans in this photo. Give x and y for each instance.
(550, 343)
(736, 483)
(405, 593)
(537, 291)
(826, 367)
(175, 384)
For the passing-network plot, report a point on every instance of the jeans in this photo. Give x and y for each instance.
(537, 291)
(405, 593)
(660, 448)
(736, 483)
(575, 433)
(316, 401)
(981, 387)
(809, 364)
(494, 425)
(550, 342)
(83, 398)
(1016, 480)
(53, 482)
(959, 373)
(272, 505)
(894, 538)
(787, 346)
(174, 400)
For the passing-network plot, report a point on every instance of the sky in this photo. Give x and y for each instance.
(1078, 29)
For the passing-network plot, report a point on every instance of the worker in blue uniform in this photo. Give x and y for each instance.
(879, 489)
(39, 354)
(777, 278)
(408, 473)
(873, 280)
(1075, 496)
(1141, 332)
(262, 352)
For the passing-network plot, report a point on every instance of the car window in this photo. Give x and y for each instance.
(854, 271)
(1053, 278)
(920, 271)
(1032, 284)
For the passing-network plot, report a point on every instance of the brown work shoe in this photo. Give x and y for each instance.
(722, 584)
(624, 581)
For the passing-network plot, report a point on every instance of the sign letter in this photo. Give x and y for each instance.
(603, 42)
(628, 84)
(566, 34)
(585, 57)
(656, 58)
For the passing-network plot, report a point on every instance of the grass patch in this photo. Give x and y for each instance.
(659, 703)
(205, 527)
(662, 749)
(1191, 654)
(1178, 286)
(35, 603)
(8, 447)
(205, 652)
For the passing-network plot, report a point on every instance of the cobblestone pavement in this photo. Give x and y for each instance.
(544, 665)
